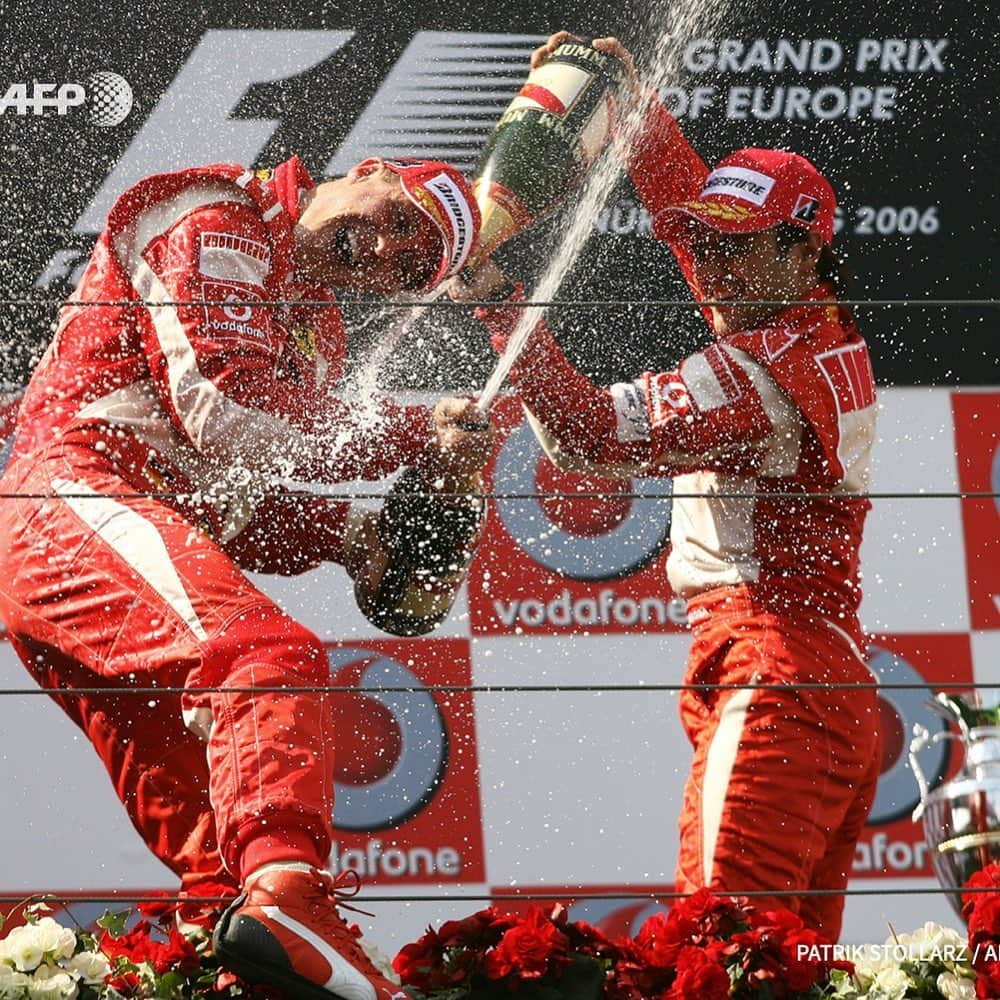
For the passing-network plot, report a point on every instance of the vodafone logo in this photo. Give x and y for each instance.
(910, 667)
(616, 917)
(900, 711)
(406, 806)
(392, 746)
(568, 551)
(594, 538)
(240, 313)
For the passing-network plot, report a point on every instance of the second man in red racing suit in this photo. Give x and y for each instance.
(766, 434)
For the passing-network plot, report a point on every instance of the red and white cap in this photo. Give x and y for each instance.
(444, 195)
(755, 189)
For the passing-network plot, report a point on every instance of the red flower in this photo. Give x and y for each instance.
(530, 948)
(135, 945)
(156, 907)
(138, 946)
(589, 940)
(988, 981)
(482, 929)
(660, 939)
(987, 918)
(713, 916)
(127, 984)
(422, 963)
(982, 912)
(699, 977)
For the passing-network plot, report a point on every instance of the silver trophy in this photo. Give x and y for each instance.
(962, 817)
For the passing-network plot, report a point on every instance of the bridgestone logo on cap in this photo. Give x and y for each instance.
(805, 208)
(738, 182)
(456, 210)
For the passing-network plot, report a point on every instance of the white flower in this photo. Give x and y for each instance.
(22, 949)
(891, 984)
(55, 940)
(28, 946)
(953, 987)
(50, 983)
(91, 966)
(13, 985)
(872, 963)
(934, 940)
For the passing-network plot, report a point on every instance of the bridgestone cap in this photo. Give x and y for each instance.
(444, 195)
(754, 189)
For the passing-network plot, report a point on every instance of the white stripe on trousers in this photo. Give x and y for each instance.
(718, 770)
(136, 540)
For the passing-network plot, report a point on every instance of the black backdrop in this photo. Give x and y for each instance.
(915, 165)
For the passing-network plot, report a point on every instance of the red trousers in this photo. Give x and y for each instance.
(101, 590)
(782, 780)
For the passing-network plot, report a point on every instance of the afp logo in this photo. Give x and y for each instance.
(105, 97)
(569, 551)
(406, 805)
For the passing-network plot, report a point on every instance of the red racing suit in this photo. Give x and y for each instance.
(782, 779)
(146, 440)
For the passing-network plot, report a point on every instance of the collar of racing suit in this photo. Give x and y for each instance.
(287, 182)
(797, 317)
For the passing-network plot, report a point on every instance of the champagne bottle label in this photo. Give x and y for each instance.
(546, 139)
(502, 214)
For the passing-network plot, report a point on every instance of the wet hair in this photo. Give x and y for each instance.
(830, 268)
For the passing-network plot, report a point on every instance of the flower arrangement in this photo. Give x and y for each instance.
(933, 962)
(705, 948)
(43, 960)
(981, 910)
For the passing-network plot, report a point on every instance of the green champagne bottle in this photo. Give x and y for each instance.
(545, 141)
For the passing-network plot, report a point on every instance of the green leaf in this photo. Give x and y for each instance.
(114, 922)
(170, 985)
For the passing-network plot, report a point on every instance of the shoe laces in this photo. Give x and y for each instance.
(340, 888)
(336, 890)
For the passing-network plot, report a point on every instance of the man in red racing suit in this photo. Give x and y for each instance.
(150, 450)
(779, 409)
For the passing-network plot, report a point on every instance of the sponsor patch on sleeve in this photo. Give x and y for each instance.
(631, 411)
(668, 397)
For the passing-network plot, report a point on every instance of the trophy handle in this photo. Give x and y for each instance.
(921, 739)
